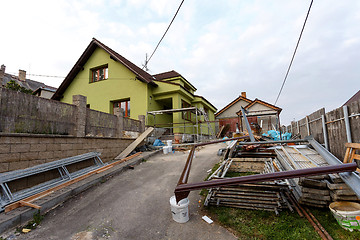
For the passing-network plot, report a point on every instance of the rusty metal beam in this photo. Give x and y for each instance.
(183, 189)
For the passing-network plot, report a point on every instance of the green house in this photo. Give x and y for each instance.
(110, 81)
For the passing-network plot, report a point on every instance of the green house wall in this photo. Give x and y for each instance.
(123, 85)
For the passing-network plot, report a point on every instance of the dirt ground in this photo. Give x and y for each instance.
(135, 205)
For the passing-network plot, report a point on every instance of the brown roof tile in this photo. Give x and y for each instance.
(140, 74)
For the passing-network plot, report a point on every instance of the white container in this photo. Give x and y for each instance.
(180, 211)
(169, 149)
(169, 142)
(165, 149)
(347, 214)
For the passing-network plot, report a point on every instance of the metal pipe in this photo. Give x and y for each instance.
(307, 125)
(273, 142)
(347, 124)
(298, 128)
(247, 125)
(326, 141)
(348, 167)
(317, 229)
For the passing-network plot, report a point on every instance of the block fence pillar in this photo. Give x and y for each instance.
(80, 116)
(142, 120)
(120, 124)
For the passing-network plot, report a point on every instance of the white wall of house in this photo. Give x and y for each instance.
(231, 111)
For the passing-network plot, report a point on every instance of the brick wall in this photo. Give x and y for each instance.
(19, 151)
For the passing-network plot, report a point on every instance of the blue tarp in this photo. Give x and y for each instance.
(158, 142)
(275, 135)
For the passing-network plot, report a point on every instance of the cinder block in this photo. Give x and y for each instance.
(60, 140)
(71, 140)
(29, 140)
(38, 147)
(19, 148)
(66, 146)
(72, 153)
(53, 147)
(77, 146)
(4, 148)
(18, 165)
(46, 155)
(58, 154)
(10, 140)
(36, 162)
(10, 157)
(29, 156)
(4, 167)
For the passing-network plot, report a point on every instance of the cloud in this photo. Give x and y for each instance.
(223, 47)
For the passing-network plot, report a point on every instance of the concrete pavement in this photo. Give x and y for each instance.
(135, 205)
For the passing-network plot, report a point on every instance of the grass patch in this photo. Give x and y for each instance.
(251, 224)
(327, 220)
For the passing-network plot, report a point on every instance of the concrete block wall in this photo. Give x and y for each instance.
(19, 151)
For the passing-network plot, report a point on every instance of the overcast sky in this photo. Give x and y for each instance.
(222, 47)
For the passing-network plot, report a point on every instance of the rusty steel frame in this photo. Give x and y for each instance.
(183, 188)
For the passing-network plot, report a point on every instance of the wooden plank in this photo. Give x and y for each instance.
(352, 145)
(23, 203)
(220, 131)
(134, 144)
(315, 197)
(337, 186)
(306, 182)
(315, 191)
(347, 154)
(337, 197)
(35, 197)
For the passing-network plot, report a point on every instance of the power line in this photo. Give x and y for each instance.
(38, 75)
(147, 60)
(293, 56)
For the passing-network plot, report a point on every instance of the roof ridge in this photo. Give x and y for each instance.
(145, 75)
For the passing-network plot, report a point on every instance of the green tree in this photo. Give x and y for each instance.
(16, 87)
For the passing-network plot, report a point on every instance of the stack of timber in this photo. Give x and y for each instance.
(311, 191)
(269, 196)
(339, 191)
(315, 191)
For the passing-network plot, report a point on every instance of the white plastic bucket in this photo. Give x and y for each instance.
(180, 211)
(169, 142)
(347, 214)
(169, 149)
(165, 149)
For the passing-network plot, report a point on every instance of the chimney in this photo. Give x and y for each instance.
(243, 94)
(22, 75)
(2, 73)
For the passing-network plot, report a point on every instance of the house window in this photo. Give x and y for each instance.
(99, 74)
(124, 105)
(186, 115)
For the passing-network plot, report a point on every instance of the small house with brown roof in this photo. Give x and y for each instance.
(261, 115)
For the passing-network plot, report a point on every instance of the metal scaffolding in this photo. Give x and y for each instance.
(197, 126)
